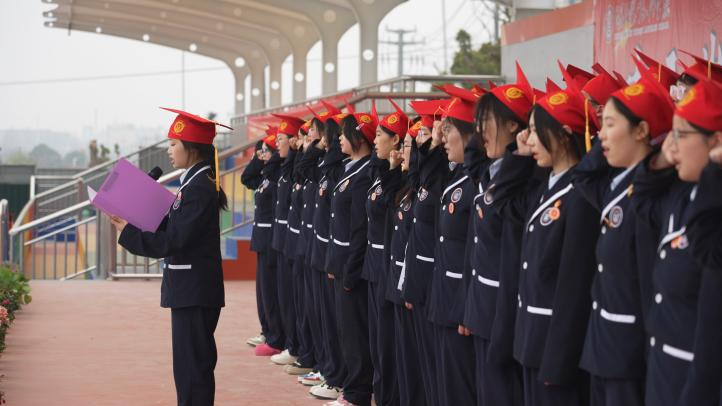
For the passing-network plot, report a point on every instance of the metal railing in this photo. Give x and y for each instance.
(77, 242)
(402, 87)
(49, 194)
(4, 229)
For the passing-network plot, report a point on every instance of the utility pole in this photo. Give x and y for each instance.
(183, 79)
(400, 43)
(443, 34)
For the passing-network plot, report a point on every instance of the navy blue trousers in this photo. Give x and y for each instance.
(613, 392)
(305, 350)
(194, 354)
(536, 393)
(352, 318)
(287, 303)
(334, 370)
(496, 384)
(267, 284)
(456, 366)
(382, 345)
(408, 360)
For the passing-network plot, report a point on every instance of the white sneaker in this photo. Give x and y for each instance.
(312, 379)
(325, 391)
(284, 358)
(297, 369)
(257, 340)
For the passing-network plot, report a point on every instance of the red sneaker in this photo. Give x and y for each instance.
(265, 350)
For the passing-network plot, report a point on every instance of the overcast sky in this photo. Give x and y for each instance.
(52, 80)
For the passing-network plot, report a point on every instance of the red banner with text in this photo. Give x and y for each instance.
(657, 27)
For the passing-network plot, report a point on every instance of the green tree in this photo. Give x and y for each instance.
(18, 157)
(45, 156)
(484, 61)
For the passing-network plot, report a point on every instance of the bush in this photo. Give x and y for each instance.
(14, 293)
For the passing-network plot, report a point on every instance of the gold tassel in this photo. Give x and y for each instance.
(709, 69)
(218, 175)
(587, 135)
(659, 72)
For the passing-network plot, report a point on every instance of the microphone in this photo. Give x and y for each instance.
(155, 173)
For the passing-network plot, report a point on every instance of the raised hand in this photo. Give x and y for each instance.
(522, 146)
(396, 158)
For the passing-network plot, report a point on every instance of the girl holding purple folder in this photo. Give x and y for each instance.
(189, 241)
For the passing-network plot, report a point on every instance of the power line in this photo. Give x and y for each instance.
(105, 77)
(400, 43)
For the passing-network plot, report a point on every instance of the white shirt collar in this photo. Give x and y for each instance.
(494, 168)
(185, 173)
(350, 163)
(618, 179)
(554, 178)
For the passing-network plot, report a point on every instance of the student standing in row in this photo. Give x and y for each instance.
(344, 259)
(261, 175)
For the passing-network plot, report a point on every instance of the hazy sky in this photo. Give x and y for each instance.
(50, 80)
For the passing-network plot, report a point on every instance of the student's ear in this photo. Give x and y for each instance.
(641, 132)
(567, 129)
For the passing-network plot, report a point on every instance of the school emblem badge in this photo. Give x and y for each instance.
(178, 127)
(550, 215)
(680, 242)
(456, 195)
(423, 194)
(344, 185)
(406, 206)
(322, 187)
(616, 215)
(177, 202)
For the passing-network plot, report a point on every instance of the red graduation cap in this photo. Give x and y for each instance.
(491, 84)
(551, 86)
(620, 78)
(580, 76)
(662, 74)
(518, 97)
(703, 67)
(270, 138)
(397, 122)
(367, 123)
(413, 131)
(428, 110)
(338, 117)
(324, 116)
(602, 86)
(192, 128)
(289, 124)
(702, 104)
(649, 100)
(462, 104)
(306, 126)
(567, 106)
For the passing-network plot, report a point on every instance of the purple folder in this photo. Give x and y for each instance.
(131, 194)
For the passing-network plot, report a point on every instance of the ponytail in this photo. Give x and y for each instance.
(207, 152)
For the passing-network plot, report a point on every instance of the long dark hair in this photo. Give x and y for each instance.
(206, 152)
(354, 136)
(548, 127)
(490, 105)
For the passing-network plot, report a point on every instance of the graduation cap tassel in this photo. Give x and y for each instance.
(709, 69)
(587, 135)
(218, 175)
